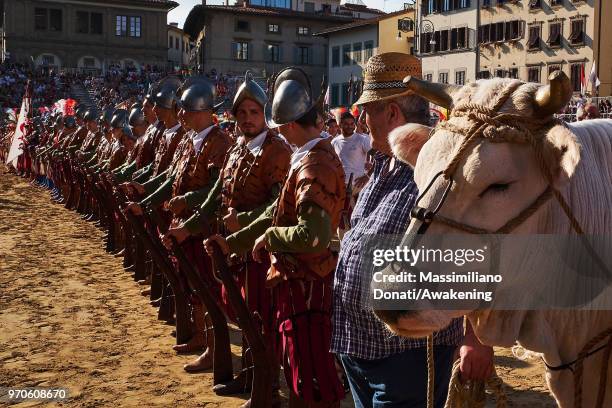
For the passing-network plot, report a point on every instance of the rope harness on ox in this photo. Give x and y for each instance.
(488, 123)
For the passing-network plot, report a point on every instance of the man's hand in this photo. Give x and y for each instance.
(179, 234)
(360, 182)
(259, 246)
(177, 205)
(134, 208)
(220, 241)
(476, 358)
(231, 220)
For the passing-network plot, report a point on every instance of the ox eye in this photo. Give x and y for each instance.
(496, 188)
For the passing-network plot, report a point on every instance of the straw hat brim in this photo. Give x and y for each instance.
(376, 95)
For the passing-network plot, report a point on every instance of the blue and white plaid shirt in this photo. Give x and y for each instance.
(383, 207)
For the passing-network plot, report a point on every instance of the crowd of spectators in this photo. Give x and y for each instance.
(47, 87)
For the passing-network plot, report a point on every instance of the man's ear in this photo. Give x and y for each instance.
(406, 142)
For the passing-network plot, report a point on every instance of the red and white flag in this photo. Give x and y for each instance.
(595, 82)
(20, 130)
(583, 81)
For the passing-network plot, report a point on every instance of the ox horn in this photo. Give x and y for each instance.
(440, 94)
(552, 97)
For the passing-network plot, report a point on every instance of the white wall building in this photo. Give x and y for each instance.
(179, 47)
(447, 40)
(350, 48)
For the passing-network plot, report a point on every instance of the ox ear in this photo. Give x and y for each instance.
(562, 154)
(406, 142)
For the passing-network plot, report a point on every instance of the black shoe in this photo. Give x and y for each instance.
(239, 385)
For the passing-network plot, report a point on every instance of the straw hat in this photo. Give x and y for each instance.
(384, 76)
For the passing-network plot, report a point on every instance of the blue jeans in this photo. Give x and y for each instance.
(399, 380)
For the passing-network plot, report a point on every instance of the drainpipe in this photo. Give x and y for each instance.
(599, 41)
(476, 37)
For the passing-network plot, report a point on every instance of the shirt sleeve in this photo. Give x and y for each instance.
(162, 194)
(243, 240)
(208, 208)
(312, 233)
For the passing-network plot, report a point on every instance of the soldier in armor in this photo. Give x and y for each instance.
(298, 243)
(251, 180)
(195, 167)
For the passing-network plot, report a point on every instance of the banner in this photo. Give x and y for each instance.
(18, 137)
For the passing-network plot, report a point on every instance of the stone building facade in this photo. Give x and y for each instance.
(264, 40)
(88, 35)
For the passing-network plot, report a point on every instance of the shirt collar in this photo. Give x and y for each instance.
(256, 143)
(198, 138)
(172, 130)
(300, 153)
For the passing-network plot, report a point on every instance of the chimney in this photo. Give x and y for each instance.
(203, 2)
(174, 25)
(245, 3)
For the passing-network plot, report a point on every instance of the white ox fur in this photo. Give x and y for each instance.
(580, 157)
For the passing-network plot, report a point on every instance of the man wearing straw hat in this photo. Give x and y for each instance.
(384, 369)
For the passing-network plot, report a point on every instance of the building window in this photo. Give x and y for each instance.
(176, 43)
(303, 30)
(533, 74)
(483, 75)
(513, 73)
(443, 77)
(170, 42)
(240, 50)
(500, 73)
(344, 95)
(429, 77)
(554, 37)
(577, 35)
(460, 77)
(553, 68)
(426, 47)
(368, 50)
(443, 40)
(513, 30)
(335, 95)
(309, 7)
(121, 27)
(303, 55)
(135, 27)
(88, 23)
(576, 76)
(357, 53)
(82, 22)
(272, 52)
(286, 4)
(346, 54)
(535, 4)
(96, 23)
(242, 25)
(534, 37)
(556, 2)
(458, 39)
(40, 18)
(274, 28)
(55, 20)
(335, 56)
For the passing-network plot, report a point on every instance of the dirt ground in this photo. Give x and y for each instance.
(71, 317)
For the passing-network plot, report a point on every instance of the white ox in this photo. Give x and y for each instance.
(494, 182)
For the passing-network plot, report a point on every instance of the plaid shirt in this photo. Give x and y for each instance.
(383, 207)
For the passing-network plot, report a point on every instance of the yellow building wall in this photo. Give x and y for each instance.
(387, 34)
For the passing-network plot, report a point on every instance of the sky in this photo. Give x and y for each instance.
(180, 13)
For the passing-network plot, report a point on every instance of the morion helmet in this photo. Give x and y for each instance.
(120, 119)
(70, 122)
(291, 98)
(166, 95)
(137, 117)
(90, 115)
(249, 90)
(198, 94)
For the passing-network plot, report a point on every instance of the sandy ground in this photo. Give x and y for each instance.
(71, 317)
